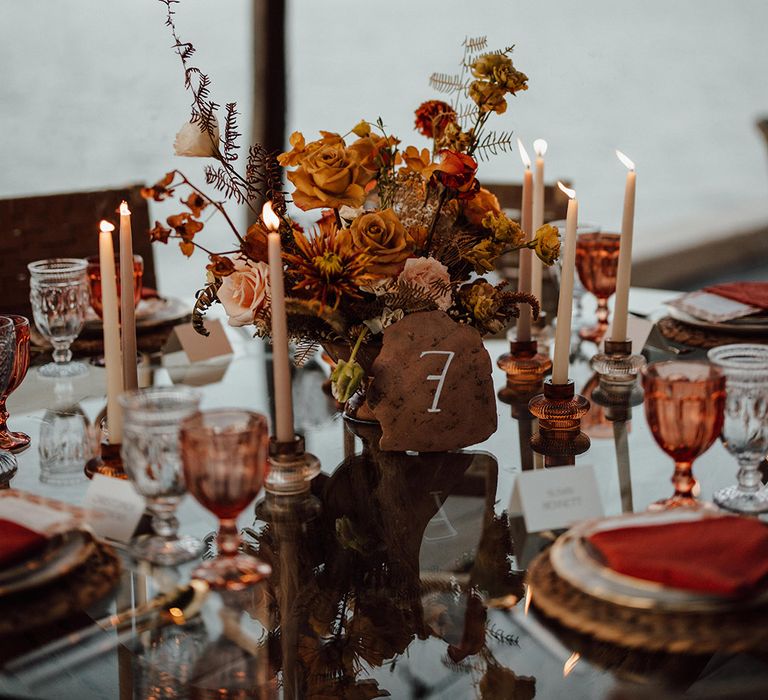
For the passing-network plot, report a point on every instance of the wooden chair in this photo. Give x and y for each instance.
(63, 226)
(510, 196)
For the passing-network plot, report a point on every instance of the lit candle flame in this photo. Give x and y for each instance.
(106, 226)
(523, 154)
(570, 663)
(626, 161)
(268, 216)
(124, 210)
(540, 147)
(571, 193)
(528, 597)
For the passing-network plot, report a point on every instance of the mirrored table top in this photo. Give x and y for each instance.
(401, 574)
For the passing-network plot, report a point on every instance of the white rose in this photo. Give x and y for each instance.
(350, 213)
(423, 272)
(244, 292)
(192, 141)
(387, 318)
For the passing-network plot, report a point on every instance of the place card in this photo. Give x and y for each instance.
(196, 347)
(551, 499)
(114, 508)
(638, 330)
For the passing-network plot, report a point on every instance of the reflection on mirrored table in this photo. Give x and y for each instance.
(399, 574)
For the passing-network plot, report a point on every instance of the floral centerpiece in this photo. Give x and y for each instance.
(398, 229)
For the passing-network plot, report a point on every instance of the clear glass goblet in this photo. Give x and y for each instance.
(684, 404)
(60, 299)
(745, 429)
(152, 460)
(224, 453)
(10, 440)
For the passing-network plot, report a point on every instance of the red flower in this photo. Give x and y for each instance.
(456, 171)
(432, 117)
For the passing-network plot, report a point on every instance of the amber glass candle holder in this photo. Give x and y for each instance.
(94, 281)
(108, 459)
(291, 468)
(15, 441)
(525, 368)
(618, 369)
(597, 260)
(559, 410)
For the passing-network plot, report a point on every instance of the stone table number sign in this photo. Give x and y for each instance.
(432, 387)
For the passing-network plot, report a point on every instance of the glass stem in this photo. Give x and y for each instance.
(602, 314)
(749, 475)
(683, 480)
(61, 352)
(164, 521)
(228, 539)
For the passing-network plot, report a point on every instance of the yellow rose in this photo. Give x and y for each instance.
(547, 244)
(384, 238)
(498, 69)
(488, 97)
(329, 175)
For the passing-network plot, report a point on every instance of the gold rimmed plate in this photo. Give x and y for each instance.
(62, 553)
(577, 563)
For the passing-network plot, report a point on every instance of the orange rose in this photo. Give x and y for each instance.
(456, 171)
(382, 235)
(301, 149)
(374, 152)
(484, 202)
(329, 175)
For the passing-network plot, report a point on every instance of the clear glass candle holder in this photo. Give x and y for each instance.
(618, 369)
(745, 426)
(291, 468)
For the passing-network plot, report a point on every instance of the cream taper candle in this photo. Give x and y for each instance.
(565, 301)
(524, 271)
(624, 272)
(111, 324)
(280, 361)
(537, 269)
(127, 308)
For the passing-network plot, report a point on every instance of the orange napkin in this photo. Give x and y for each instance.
(726, 556)
(18, 543)
(751, 293)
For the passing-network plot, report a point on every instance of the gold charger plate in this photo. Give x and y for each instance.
(573, 560)
(64, 552)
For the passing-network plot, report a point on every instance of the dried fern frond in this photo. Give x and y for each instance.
(475, 44)
(305, 350)
(446, 83)
(231, 134)
(205, 298)
(493, 143)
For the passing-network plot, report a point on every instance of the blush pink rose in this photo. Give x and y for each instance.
(245, 291)
(422, 272)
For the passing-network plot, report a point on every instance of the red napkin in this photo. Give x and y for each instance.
(18, 543)
(751, 293)
(726, 556)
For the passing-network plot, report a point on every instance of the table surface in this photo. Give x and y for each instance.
(403, 573)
